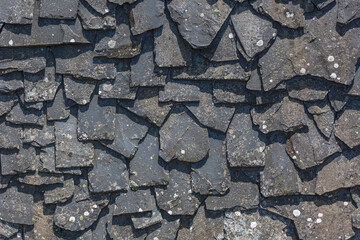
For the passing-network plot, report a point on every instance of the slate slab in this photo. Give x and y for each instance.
(11, 82)
(17, 12)
(20, 115)
(14, 162)
(324, 116)
(58, 109)
(167, 231)
(119, 88)
(133, 202)
(92, 20)
(10, 135)
(6, 103)
(207, 224)
(232, 92)
(59, 9)
(307, 89)
(347, 11)
(38, 179)
(180, 91)
(60, 194)
(99, 5)
(77, 90)
(147, 219)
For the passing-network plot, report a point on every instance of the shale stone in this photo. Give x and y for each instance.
(79, 91)
(59, 9)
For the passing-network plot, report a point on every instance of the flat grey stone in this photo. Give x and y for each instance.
(10, 136)
(183, 139)
(58, 110)
(96, 121)
(212, 115)
(321, 3)
(39, 136)
(355, 88)
(129, 130)
(337, 98)
(347, 11)
(232, 92)
(20, 115)
(133, 202)
(6, 103)
(355, 218)
(92, 20)
(147, 219)
(242, 194)
(17, 12)
(208, 17)
(255, 82)
(212, 177)
(8, 229)
(170, 49)
(121, 2)
(167, 231)
(324, 116)
(147, 106)
(285, 116)
(121, 227)
(180, 91)
(146, 169)
(109, 172)
(38, 179)
(309, 148)
(60, 194)
(70, 152)
(254, 32)
(99, 5)
(11, 82)
(29, 105)
(177, 197)
(147, 15)
(16, 206)
(14, 162)
(118, 88)
(245, 145)
(79, 91)
(30, 65)
(207, 224)
(346, 127)
(59, 9)
(307, 89)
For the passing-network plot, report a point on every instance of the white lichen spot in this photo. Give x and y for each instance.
(86, 213)
(346, 203)
(202, 14)
(331, 58)
(140, 210)
(18, 235)
(170, 212)
(333, 75)
(72, 40)
(155, 238)
(237, 213)
(264, 127)
(309, 220)
(112, 43)
(182, 151)
(253, 224)
(336, 65)
(296, 213)
(259, 43)
(231, 35)
(320, 215)
(289, 15)
(318, 220)
(72, 219)
(11, 42)
(95, 206)
(271, 80)
(302, 70)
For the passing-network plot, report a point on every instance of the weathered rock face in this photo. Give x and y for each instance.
(179, 119)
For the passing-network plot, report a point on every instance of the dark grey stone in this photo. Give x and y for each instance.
(92, 20)
(208, 17)
(207, 225)
(20, 115)
(183, 139)
(147, 15)
(96, 121)
(118, 88)
(57, 110)
(242, 194)
(167, 231)
(254, 82)
(133, 202)
(347, 11)
(10, 136)
(38, 179)
(11, 82)
(180, 91)
(147, 219)
(146, 169)
(129, 130)
(323, 116)
(121, 2)
(321, 3)
(30, 65)
(6, 103)
(177, 197)
(17, 12)
(109, 172)
(69, 151)
(307, 89)
(8, 229)
(79, 91)
(245, 145)
(14, 162)
(39, 136)
(99, 5)
(60, 194)
(232, 92)
(212, 177)
(122, 228)
(59, 9)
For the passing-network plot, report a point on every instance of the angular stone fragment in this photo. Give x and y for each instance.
(177, 197)
(347, 11)
(147, 15)
(223, 48)
(10, 136)
(146, 169)
(92, 20)
(286, 116)
(69, 151)
(17, 12)
(242, 193)
(99, 5)
(337, 98)
(256, 225)
(342, 170)
(121, 2)
(38, 179)
(59, 9)
(288, 14)
(245, 145)
(254, 32)
(183, 139)
(316, 218)
(81, 191)
(180, 91)
(80, 63)
(16, 206)
(8, 229)
(77, 216)
(321, 3)
(147, 106)
(109, 172)
(133, 202)
(207, 224)
(120, 44)
(212, 177)
(29, 105)
(32, 65)
(144, 220)
(118, 88)
(129, 130)
(39, 137)
(6, 103)
(232, 92)
(11, 82)
(57, 110)
(307, 89)
(20, 115)
(309, 148)
(97, 120)
(79, 91)
(170, 49)
(122, 228)
(355, 218)
(208, 17)
(346, 127)
(355, 88)
(21, 161)
(167, 231)
(217, 116)
(324, 116)
(204, 70)
(60, 194)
